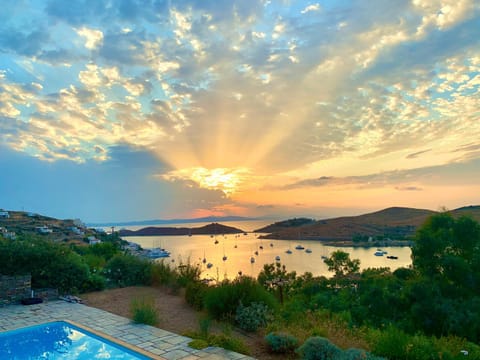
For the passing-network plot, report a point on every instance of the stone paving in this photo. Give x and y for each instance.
(163, 344)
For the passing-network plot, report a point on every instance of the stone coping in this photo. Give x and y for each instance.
(151, 341)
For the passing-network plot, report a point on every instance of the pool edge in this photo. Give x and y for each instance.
(115, 340)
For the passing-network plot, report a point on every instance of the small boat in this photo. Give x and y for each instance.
(158, 253)
(271, 244)
(216, 242)
(277, 258)
(245, 234)
(392, 257)
(209, 265)
(324, 257)
(261, 247)
(288, 251)
(378, 253)
(235, 246)
(224, 258)
(308, 251)
(252, 259)
(256, 252)
(299, 247)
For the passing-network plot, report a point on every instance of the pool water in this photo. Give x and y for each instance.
(60, 340)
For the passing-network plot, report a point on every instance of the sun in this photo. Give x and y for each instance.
(227, 180)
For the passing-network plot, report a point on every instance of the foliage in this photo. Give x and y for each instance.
(195, 294)
(281, 342)
(128, 270)
(254, 316)
(95, 282)
(144, 311)
(187, 273)
(318, 348)
(162, 274)
(229, 343)
(357, 354)
(221, 301)
(340, 263)
(198, 344)
(50, 264)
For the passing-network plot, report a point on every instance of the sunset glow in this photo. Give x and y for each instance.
(257, 108)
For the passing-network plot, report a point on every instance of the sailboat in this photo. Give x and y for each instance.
(204, 258)
(252, 259)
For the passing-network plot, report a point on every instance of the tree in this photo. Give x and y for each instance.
(340, 263)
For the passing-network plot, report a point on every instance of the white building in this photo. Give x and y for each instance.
(4, 214)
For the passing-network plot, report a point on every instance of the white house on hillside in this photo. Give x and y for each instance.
(4, 214)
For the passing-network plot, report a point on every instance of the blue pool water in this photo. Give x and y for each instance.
(60, 340)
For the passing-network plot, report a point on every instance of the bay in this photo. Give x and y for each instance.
(239, 249)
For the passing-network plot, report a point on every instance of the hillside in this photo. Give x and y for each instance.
(210, 229)
(395, 223)
(17, 223)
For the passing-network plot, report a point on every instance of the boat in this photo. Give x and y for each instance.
(256, 252)
(324, 257)
(224, 258)
(216, 242)
(378, 253)
(156, 253)
(252, 259)
(288, 251)
(261, 247)
(392, 257)
(299, 247)
(271, 244)
(308, 251)
(277, 258)
(209, 265)
(204, 258)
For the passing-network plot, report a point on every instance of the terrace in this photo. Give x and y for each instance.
(160, 343)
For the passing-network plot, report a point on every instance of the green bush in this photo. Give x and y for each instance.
(144, 311)
(357, 354)
(162, 274)
(229, 343)
(222, 300)
(188, 273)
(198, 344)
(318, 348)
(254, 316)
(281, 343)
(195, 294)
(128, 270)
(95, 282)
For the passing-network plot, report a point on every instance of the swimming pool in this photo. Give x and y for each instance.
(60, 340)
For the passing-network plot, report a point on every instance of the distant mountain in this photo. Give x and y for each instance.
(395, 223)
(285, 224)
(210, 229)
(172, 221)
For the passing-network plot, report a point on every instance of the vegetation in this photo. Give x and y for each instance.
(430, 310)
(144, 311)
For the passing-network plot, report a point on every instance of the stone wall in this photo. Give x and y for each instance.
(14, 288)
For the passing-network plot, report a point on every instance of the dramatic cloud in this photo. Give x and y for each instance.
(243, 101)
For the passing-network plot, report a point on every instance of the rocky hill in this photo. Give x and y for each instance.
(210, 229)
(395, 223)
(17, 223)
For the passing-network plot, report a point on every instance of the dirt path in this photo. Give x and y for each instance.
(175, 314)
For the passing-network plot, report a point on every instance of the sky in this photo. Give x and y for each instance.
(144, 109)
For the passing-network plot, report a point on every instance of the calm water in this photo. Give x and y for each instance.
(60, 340)
(195, 248)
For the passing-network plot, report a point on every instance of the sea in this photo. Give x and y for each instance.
(239, 249)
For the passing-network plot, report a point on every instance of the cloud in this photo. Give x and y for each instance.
(417, 154)
(312, 7)
(408, 188)
(93, 38)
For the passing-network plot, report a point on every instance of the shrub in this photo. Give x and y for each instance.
(128, 270)
(318, 348)
(357, 354)
(95, 282)
(195, 294)
(188, 273)
(222, 301)
(281, 343)
(391, 343)
(198, 344)
(228, 343)
(250, 318)
(144, 311)
(162, 274)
